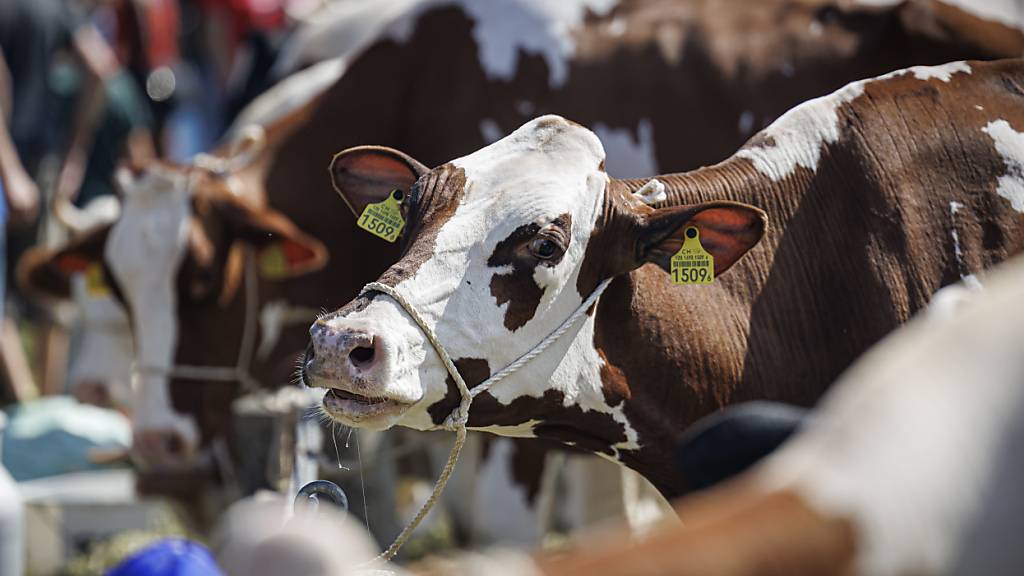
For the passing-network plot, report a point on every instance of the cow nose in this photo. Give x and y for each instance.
(362, 356)
(351, 349)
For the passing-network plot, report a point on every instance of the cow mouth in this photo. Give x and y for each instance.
(351, 408)
(338, 395)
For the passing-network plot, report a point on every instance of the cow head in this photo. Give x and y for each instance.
(99, 373)
(501, 247)
(175, 260)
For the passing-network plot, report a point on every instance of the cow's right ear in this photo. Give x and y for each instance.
(47, 273)
(367, 174)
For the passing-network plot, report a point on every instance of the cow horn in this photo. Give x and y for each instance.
(69, 215)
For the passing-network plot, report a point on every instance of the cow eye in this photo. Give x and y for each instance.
(544, 248)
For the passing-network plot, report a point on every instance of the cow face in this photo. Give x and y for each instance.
(99, 373)
(175, 259)
(502, 246)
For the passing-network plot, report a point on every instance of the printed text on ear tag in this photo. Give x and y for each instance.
(692, 264)
(384, 219)
(95, 284)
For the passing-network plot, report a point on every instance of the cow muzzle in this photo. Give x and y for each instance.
(355, 365)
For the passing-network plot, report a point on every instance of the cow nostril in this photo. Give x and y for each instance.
(361, 356)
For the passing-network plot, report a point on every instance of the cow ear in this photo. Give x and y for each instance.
(47, 273)
(727, 231)
(367, 174)
(283, 251)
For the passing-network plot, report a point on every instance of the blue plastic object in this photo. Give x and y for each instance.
(169, 557)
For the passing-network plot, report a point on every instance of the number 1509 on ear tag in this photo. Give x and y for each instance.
(692, 264)
(384, 219)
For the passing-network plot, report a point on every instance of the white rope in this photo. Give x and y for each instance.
(457, 420)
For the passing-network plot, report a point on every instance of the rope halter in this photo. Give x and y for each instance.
(459, 417)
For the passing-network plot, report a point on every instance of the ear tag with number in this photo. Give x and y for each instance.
(384, 219)
(273, 262)
(692, 264)
(95, 284)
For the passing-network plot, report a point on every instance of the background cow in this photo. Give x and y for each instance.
(504, 244)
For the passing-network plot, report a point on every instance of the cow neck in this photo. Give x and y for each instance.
(459, 416)
(240, 371)
(675, 354)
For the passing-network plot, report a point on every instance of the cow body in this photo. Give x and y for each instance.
(906, 468)
(662, 83)
(582, 53)
(654, 357)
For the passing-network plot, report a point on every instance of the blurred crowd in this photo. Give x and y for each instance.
(84, 86)
(87, 84)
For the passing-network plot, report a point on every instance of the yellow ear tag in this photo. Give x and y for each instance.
(273, 263)
(692, 264)
(384, 219)
(95, 284)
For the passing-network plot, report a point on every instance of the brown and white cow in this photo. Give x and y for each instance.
(542, 59)
(669, 84)
(910, 466)
(869, 219)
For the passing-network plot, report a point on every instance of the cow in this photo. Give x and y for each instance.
(580, 51)
(490, 66)
(909, 466)
(869, 219)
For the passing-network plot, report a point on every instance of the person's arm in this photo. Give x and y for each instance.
(19, 188)
(99, 63)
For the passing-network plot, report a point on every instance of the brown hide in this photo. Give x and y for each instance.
(691, 67)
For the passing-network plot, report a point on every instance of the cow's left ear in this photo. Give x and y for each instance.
(727, 231)
(367, 174)
(283, 251)
(47, 273)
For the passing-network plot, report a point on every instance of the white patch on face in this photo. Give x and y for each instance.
(908, 442)
(503, 29)
(144, 250)
(800, 133)
(1010, 145)
(490, 131)
(546, 168)
(105, 352)
(629, 156)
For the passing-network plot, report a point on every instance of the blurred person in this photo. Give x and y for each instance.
(70, 100)
(243, 39)
(259, 536)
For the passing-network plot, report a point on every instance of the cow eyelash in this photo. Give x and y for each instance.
(548, 244)
(544, 248)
